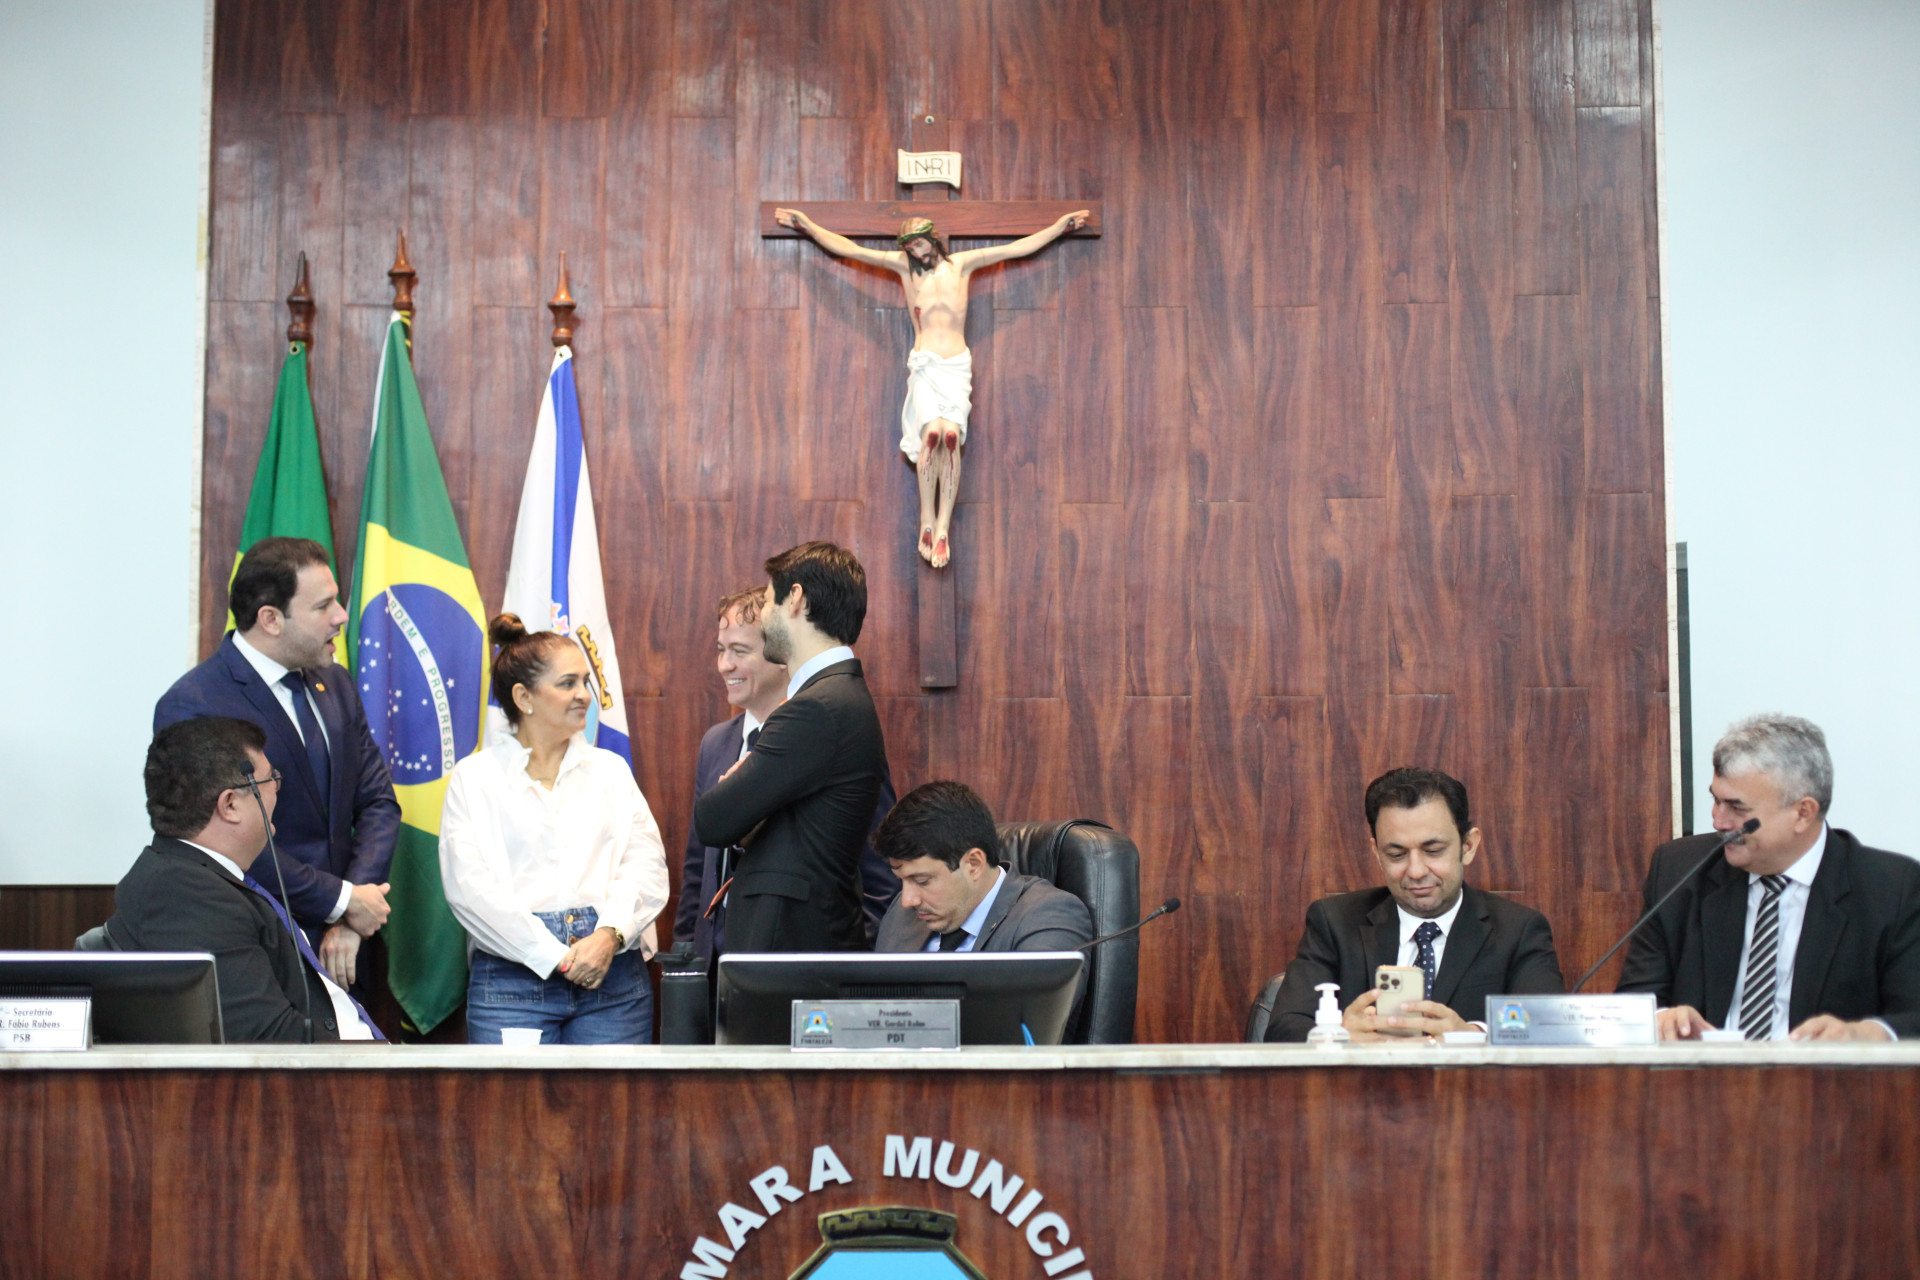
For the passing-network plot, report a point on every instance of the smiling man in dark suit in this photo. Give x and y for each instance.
(755, 687)
(1799, 930)
(799, 804)
(338, 818)
(1471, 944)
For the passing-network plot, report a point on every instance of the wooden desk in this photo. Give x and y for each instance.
(1209, 1160)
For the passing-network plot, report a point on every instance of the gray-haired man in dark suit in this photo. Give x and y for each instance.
(954, 894)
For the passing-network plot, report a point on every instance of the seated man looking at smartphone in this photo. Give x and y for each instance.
(1460, 944)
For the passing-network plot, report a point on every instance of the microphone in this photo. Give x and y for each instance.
(1168, 907)
(1734, 836)
(273, 853)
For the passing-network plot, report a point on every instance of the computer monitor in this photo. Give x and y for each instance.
(999, 991)
(139, 997)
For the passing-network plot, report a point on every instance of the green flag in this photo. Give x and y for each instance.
(416, 643)
(289, 498)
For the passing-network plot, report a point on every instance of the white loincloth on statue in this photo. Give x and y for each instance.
(937, 387)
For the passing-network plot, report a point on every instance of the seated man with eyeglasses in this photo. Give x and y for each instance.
(210, 796)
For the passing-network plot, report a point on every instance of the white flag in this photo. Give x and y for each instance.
(554, 581)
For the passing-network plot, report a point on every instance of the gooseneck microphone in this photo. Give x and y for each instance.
(1734, 836)
(273, 853)
(1168, 907)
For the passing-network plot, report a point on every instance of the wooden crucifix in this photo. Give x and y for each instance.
(939, 400)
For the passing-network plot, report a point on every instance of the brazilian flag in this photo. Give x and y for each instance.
(289, 498)
(416, 642)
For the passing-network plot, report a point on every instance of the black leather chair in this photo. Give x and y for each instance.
(1093, 862)
(1100, 867)
(1262, 1012)
(96, 939)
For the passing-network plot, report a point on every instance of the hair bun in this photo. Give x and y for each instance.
(505, 629)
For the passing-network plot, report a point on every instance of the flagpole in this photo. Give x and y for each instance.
(562, 306)
(300, 309)
(402, 275)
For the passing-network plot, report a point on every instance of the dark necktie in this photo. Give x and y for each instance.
(951, 941)
(310, 730)
(1423, 938)
(717, 909)
(1756, 1005)
(306, 948)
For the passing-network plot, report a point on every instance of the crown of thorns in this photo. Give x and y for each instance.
(920, 227)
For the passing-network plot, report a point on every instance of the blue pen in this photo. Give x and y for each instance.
(1026, 1035)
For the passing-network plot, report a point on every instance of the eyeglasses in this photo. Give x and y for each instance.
(273, 778)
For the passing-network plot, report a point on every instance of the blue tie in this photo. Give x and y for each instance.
(306, 948)
(1423, 938)
(316, 741)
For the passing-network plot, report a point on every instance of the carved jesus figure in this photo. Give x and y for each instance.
(933, 421)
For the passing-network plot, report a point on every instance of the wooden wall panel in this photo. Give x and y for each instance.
(1339, 450)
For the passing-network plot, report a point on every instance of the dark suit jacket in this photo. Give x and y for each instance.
(1028, 915)
(700, 865)
(346, 836)
(176, 898)
(1496, 947)
(1859, 950)
(799, 807)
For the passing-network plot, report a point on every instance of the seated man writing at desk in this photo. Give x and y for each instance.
(954, 894)
(1469, 944)
(1799, 929)
(210, 796)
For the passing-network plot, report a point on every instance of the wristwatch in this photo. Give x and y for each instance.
(619, 938)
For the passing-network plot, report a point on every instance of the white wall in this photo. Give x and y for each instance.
(1792, 154)
(101, 105)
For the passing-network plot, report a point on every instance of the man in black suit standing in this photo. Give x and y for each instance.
(1799, 930)
(954, 893)
(338, 815)
(754, 687)
(798, 805)
(1470, 944)
(210, 796)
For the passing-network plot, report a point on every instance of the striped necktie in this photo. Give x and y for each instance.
(1756, 1006)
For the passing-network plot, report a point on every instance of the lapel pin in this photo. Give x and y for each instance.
(318, 685)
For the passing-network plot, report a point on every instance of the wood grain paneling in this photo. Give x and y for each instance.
(1338, 450)
(1593, 1172)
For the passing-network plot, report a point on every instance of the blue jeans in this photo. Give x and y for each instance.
(505, 993)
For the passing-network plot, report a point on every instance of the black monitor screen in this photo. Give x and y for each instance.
(139, 997)
(1000, 992)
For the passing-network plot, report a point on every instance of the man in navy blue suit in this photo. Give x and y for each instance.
(754, 686)
(337, 818)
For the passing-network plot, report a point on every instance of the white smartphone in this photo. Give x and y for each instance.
(1398, 983)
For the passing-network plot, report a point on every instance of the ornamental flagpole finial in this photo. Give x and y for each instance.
(402, 274)
(562, 306)
(300, 305)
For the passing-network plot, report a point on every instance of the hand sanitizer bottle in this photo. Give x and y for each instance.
(1328, 1031)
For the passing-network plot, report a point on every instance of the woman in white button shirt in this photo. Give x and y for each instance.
(551, 860)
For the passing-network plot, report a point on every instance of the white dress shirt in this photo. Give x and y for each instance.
(816, 664)
(1409, 923)
(273, 673)
(1793, 914)
(510, 847)
(976, 919)
(749, 724)
(345, 1016)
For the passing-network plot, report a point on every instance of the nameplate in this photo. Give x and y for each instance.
(40, 1024)
(1629, 1018)
(876, 1024)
